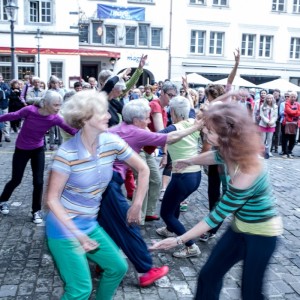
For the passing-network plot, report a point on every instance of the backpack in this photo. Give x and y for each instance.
(3, 100)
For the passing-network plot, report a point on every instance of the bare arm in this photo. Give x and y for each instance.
(134, 212)
(158, 122)
(206, 158)
(235, 67)
(177, 135)
(56, 186)
(195, 232)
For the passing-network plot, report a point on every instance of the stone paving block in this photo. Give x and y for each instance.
(188, 272)
(296, 287)
(167, 294)
(181, 288)
(26, 288)
(8, 290)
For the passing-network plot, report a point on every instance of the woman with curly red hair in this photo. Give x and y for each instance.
(253, 233)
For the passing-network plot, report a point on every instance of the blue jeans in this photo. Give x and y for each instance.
(254, 250)
(180, 187)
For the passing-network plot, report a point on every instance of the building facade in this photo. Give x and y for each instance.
(81, 38)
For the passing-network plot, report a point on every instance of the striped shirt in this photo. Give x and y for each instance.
(88, 177)
(256, 204)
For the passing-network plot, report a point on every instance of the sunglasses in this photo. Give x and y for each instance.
(171, 95)
(287, 96)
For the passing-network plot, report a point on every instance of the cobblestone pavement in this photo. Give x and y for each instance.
(27, 270)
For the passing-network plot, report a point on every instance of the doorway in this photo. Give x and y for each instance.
(88, 71)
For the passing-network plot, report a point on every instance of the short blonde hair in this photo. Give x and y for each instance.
(82, 106)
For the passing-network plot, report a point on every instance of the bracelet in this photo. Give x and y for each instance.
(179, 240)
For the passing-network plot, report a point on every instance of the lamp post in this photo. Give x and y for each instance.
(11, 11)
(38, 37)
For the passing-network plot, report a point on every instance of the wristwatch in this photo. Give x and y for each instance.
(179, 241)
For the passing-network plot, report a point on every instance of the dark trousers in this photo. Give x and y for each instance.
(180, 187)
(19, 162)
(113, 218)
(214, 186)
(276, 135)
(254, 250)
(288, 141)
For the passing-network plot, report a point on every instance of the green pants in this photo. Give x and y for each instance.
(71, 261)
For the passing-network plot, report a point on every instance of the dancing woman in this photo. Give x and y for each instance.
(30, 146)
(253, 233)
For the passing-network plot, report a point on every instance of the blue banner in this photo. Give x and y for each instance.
(120, 12)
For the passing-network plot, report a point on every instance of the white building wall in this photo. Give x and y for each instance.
(252, 17)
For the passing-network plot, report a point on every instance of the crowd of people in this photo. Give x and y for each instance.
(111, 132)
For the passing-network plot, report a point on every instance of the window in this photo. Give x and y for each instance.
(156, 37)
(248, 42)
(200, 2)
(97, 32)
(40, 11)
(130, 36)
(25, 70)
(278, 5)
(216, 43)
(110, 35)
(26, 65)
(5, 71)
(220, 2)
(197, 41)
(3, 15)
(265, 46)
(26, 59)
(295, 48)
(83, 33)
(296, 6)
(143, 34)
(56, 69)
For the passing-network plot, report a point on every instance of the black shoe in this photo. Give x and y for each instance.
(7, 139)
(275, 151)
(281, 153)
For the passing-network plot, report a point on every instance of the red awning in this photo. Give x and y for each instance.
(55, 51)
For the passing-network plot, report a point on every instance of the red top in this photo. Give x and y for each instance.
(155, 108)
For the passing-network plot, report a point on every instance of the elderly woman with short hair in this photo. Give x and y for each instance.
(81, 171)
(30, 146)
(182, 183)
(114, 206)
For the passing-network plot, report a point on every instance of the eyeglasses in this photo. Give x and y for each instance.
(287, 96)
(171, 95)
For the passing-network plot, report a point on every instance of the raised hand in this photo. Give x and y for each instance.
(143, 61)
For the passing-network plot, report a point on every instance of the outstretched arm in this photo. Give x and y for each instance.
(232, 74)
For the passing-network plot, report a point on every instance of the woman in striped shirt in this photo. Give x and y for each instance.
(253, 233)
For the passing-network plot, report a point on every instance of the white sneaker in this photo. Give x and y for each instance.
(163, 231)
(270, 154)
(4, 209)
(37, 217)
(187, 252)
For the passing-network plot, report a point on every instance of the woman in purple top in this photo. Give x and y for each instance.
(30, 146)
(114, 205)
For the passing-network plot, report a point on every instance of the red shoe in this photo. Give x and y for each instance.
(152, 275)
(152, 218)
